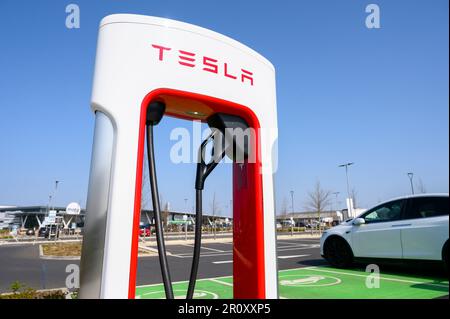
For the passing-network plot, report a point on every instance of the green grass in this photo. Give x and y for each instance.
(317, 283)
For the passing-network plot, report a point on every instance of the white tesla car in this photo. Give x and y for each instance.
(407, 228)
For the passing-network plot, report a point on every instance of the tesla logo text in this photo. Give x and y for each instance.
(207, 64)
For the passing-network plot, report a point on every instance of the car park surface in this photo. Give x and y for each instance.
(299, 262)
(316, 283)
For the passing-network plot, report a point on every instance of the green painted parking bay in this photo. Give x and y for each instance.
(317, 283)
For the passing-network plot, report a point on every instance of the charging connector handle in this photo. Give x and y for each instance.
(203, 170)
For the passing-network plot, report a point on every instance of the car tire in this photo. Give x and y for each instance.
(338, 253)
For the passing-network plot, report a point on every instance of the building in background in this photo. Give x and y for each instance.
(36, 217)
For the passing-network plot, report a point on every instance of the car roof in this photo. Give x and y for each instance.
(407, 197)
(418, 195)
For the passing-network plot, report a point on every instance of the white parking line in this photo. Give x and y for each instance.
(229, 252)
(222, 262)
(221, 282)
(300, 248)
(383, 278)
(183, 281)
(213, 249)
(299, 245)
(292, 256)
(289, 243)
(202, 255)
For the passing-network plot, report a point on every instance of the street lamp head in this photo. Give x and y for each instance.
(346, 164)
(410, 175)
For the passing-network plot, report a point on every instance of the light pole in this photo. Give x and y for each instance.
(292, 201)
(214, 215)
(185, 218)
(292, 217)
(346, 165)
(335, 200)
(410, 176)
(49, 203)
(51, 206)
(50, 197)
(231, 210)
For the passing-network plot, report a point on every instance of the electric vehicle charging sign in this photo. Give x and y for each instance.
(73, 209)
(51, 217)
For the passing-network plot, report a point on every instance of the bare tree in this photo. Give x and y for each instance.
(318, 200)
(215, 205)
(420, 186)
(215, 209)
(165, 214)
(284, 209)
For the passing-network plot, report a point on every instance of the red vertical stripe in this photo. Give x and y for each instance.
(248, 214)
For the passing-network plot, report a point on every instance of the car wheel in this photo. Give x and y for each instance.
(338, 253)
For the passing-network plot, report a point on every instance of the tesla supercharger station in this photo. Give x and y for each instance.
(196, 73)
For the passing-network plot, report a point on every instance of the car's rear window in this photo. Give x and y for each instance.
(425, 207)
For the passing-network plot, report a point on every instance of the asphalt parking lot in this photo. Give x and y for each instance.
(316, 282)
(22, 263)
(216, 260)
(299, 262)
(302, 274)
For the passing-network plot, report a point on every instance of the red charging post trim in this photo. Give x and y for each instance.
(248, 216)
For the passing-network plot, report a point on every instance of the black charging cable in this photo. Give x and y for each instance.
(155, 112)
(203, 170)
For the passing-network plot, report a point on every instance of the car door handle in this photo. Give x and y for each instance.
(401, 225)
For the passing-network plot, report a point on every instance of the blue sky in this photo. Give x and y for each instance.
(378, 98)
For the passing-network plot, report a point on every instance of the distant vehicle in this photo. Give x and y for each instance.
(300, 224)
(190, 227)
(30, 232)
(144, 231)
(43, 232)
(317, 224)
(279, 226)
(287, 223)
(49, 231)
(407, 228)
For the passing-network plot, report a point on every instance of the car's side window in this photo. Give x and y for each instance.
(385, 213)
(425, 207)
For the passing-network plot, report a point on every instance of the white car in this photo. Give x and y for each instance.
(407, 228)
